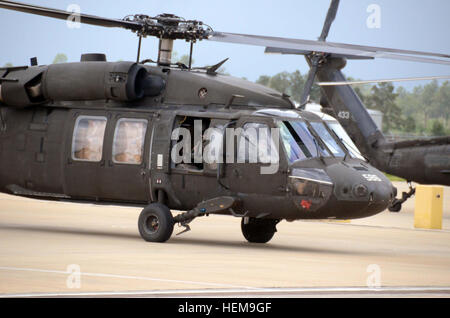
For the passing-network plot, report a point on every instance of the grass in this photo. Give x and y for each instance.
(393, 178)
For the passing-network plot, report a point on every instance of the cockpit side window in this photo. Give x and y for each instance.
(313, 145)
(291, 145)
(329, 141)
(88, 136)
(256, 145)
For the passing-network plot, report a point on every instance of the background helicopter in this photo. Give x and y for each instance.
(332, 181)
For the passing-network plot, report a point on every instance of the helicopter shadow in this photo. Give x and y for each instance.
(67, 230)
(272, 246)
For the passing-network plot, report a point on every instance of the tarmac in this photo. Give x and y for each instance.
(58, 249)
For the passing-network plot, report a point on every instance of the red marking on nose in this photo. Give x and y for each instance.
(306, 204)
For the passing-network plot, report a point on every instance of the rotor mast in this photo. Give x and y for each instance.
(165, 52)
(314, 59)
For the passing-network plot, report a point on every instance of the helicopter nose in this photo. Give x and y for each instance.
(360, 189)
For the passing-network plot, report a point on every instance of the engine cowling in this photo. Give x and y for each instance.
(121, 81)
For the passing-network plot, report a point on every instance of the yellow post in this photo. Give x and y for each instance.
(429, 206)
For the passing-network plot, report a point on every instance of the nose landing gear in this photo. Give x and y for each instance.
(258, 230)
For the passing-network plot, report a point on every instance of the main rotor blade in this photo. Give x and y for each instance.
(274, 50)
(64, 15)
(329, 47)
(331, 15)
(407, 79)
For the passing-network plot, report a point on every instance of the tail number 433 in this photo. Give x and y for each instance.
(344, 114)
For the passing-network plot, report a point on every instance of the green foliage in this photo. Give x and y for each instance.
(393, 178)
(437, 129)
(60, 58)
(264, 80)
(8, 65)
(185, 60)
(410, 124)
(383, 98)
(281, 82)
(426, 104)
(291, 84)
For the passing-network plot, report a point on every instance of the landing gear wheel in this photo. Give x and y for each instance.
(395, 207)
(258, 230)
(156, 223)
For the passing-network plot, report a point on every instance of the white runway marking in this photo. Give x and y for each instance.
(36, 270)
(89, 204)
(233, 292)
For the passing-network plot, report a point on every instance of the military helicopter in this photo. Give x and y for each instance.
(98, 131)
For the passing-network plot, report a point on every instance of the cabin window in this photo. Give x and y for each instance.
(129, 137)
(88, 136)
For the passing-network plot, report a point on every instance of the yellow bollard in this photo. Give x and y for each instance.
(429, 206)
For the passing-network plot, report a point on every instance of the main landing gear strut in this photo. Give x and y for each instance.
(156, 222)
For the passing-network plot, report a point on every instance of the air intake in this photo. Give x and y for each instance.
(93, 57)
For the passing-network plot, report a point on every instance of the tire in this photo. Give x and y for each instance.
(156, 223)
(396, 207)
(258, 230)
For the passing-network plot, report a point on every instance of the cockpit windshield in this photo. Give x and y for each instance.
(331, 143)
(345, 139)
(302, 141)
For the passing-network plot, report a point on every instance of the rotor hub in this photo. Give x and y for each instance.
(170, 26)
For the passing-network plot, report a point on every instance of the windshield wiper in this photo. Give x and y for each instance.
(319, 153)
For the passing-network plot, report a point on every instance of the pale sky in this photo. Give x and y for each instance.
(405, 24)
